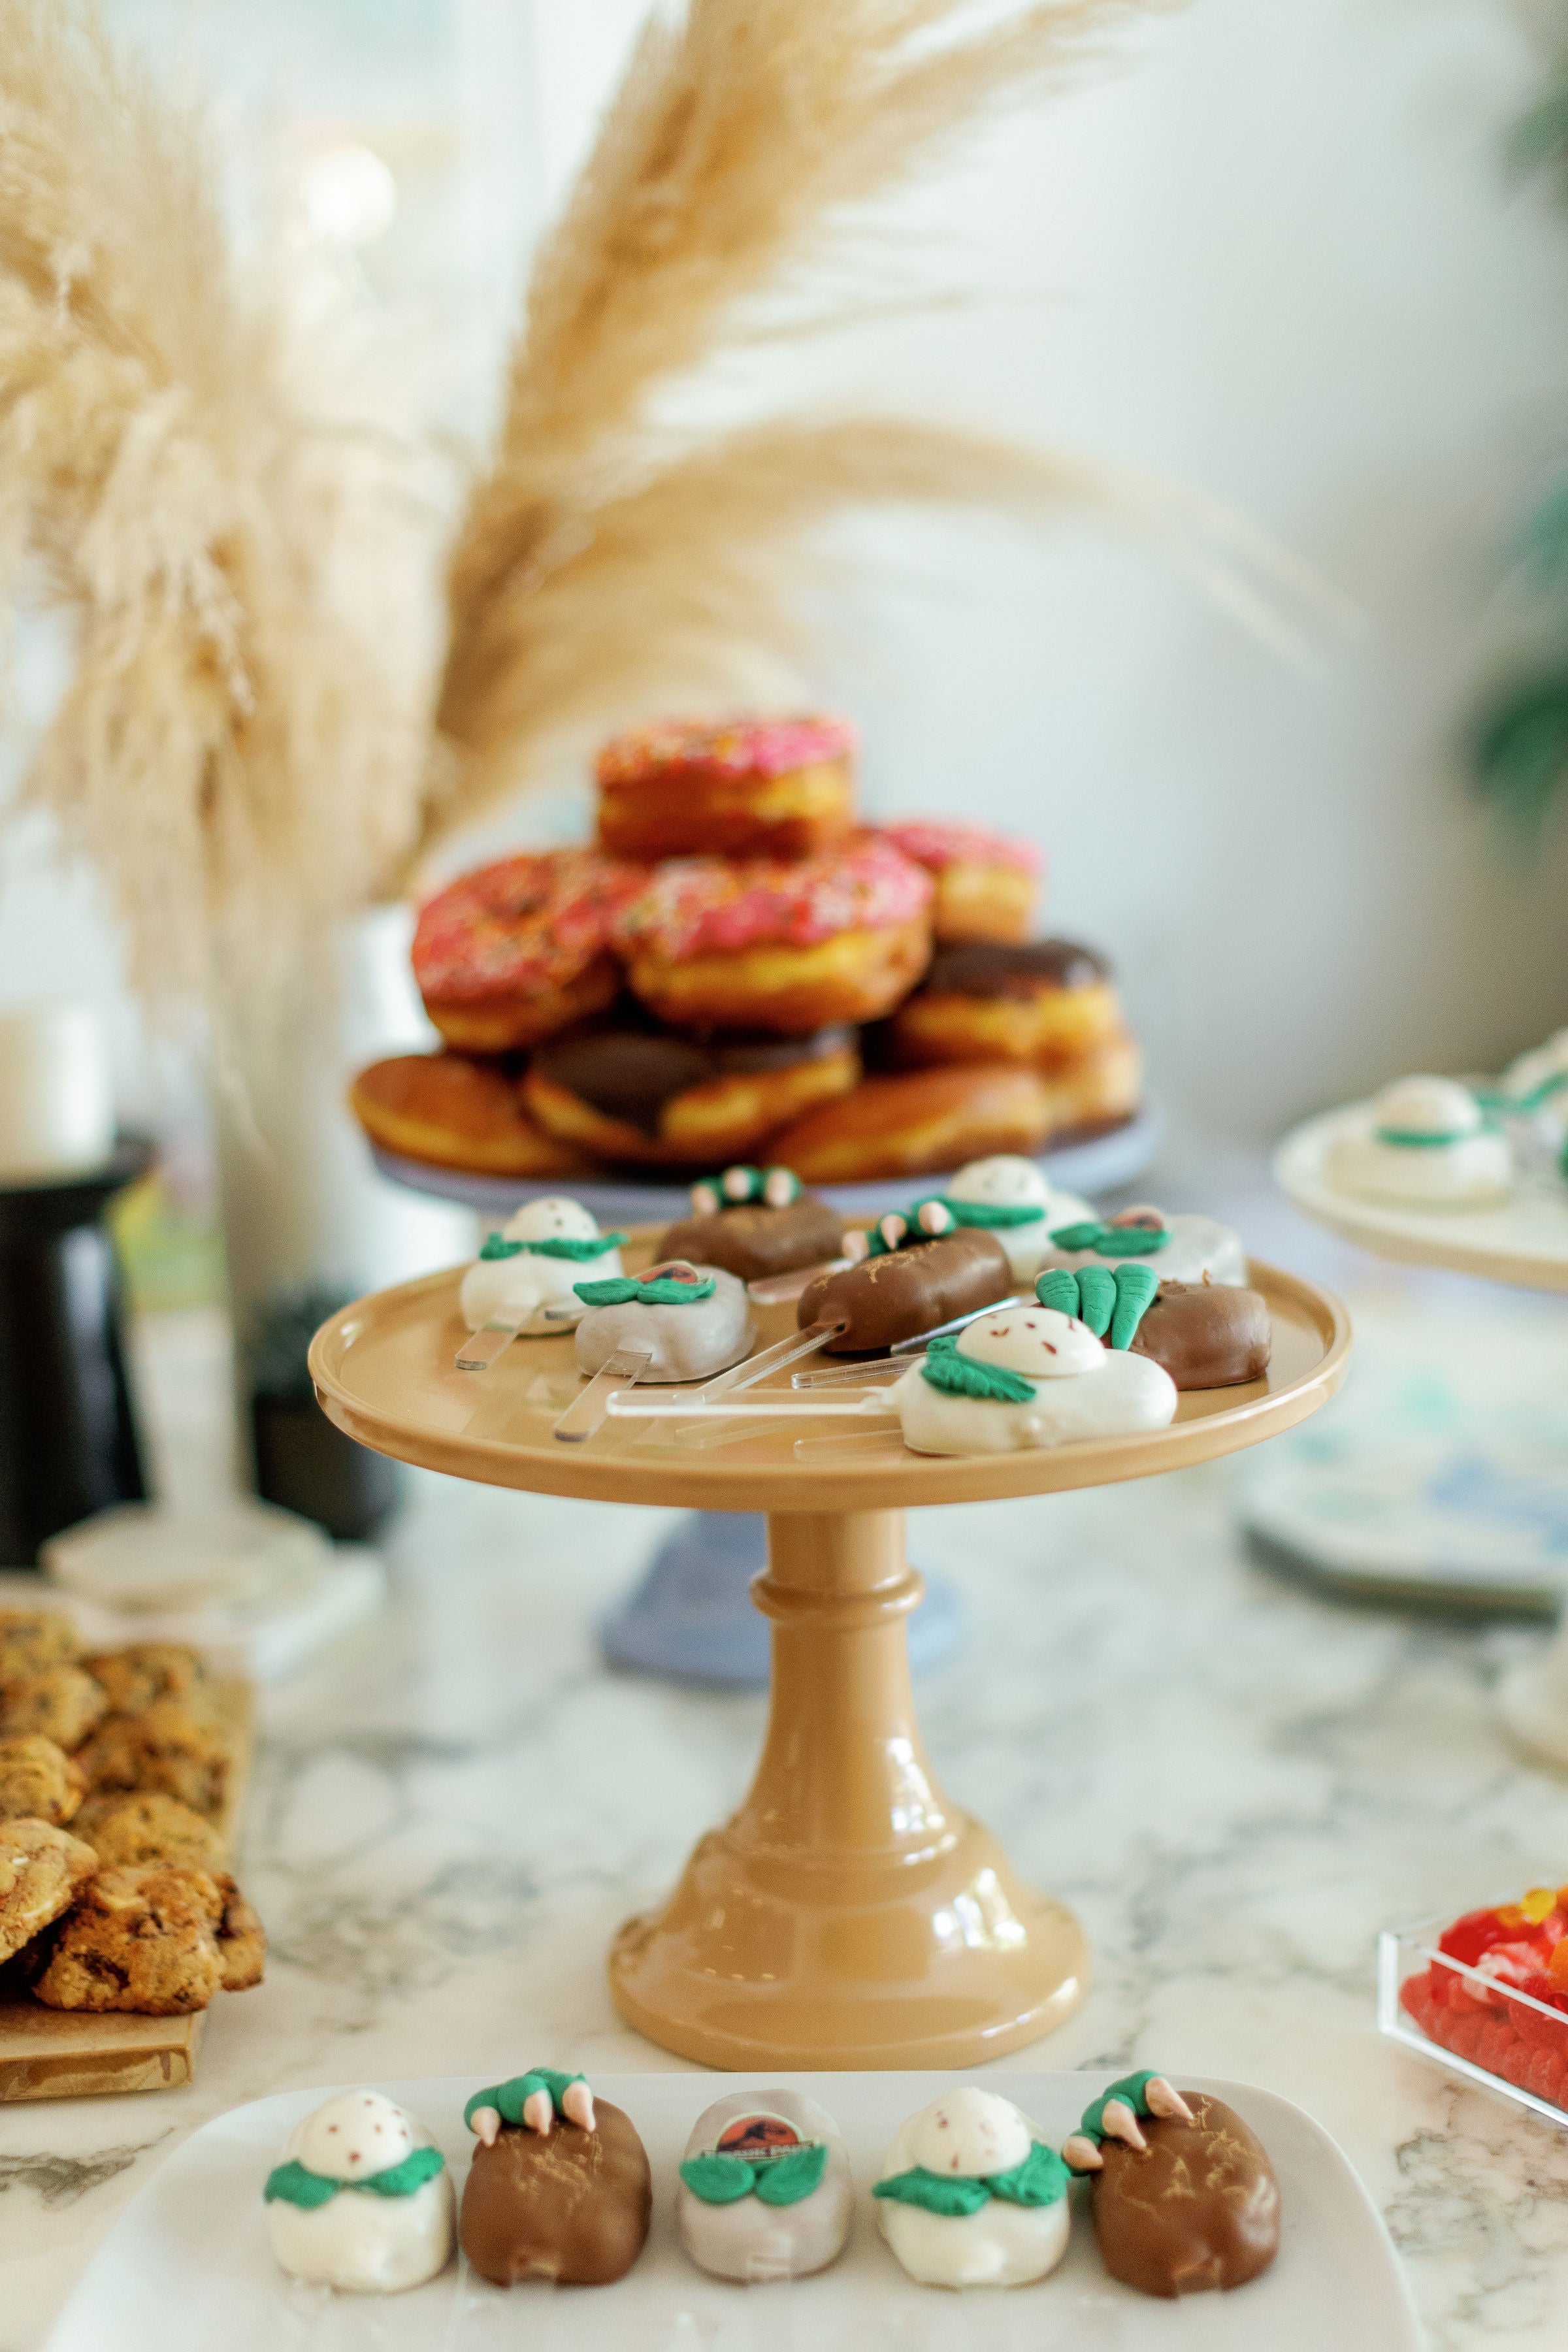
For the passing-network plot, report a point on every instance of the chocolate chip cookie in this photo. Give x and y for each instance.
(61, 1703)
(128, 1827)
(41, 1870)
(38, 1781)
(157, 1941)
(167, 1747)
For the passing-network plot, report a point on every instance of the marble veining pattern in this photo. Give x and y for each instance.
(1234, 1781)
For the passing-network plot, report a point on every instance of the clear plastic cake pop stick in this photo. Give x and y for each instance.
(480, 1348)
(921, 1340)
(678, 1407)
(859, 1368)
(746, 1374)
(784, 1290)
(586, 1413)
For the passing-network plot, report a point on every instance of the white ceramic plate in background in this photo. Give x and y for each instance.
(188, 2266)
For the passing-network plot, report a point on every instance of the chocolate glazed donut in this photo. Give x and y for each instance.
(1196, 2206)
(566, 2204)
(626, 1090)
(909, 1290)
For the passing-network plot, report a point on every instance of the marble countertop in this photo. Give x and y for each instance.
(1233, 1780)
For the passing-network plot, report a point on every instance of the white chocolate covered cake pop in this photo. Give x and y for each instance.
(1427, 1143)
(693, 1319)
(363, 2199)
(535, 1262)
(969, 2197)
(1180, 1248)
(1012, 1198)
(765, 2189)
(1034, 1376)
(1535, 1093)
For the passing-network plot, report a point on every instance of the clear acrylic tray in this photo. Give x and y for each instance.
(1490, 2033)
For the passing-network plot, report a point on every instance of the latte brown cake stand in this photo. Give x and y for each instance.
(849, 1915)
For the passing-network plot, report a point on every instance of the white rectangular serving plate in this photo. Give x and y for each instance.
(187, 2265)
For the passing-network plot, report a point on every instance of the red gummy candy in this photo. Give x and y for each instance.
(1476, 1933)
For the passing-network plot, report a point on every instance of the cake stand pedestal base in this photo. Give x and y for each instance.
(691, 1619)
(849, 1915)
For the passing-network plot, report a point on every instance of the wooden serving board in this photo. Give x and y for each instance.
(56, 2054)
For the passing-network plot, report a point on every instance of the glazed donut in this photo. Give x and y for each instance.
(514, 952)
(727, 787)
(1045, 1003)
(915, 1124)
(625, 1090)
(790, 948)
(1100, 1089)
(454, 1113)
(986, 883)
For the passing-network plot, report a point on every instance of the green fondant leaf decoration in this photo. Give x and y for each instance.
(990, 1215)
(957, 1375)
(1132, 2088)
(296, 2184)
(718, 2179)
(1040, 2179)
(576, 1253)
(1112, 1241)
(785, 2179)
(626, 1290)
(1096, 1297)
(1136, 1288)
(935, 2192)
(1058, 1288)
(420, 2164)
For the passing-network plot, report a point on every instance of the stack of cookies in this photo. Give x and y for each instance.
(114, 1780)
(741, 970)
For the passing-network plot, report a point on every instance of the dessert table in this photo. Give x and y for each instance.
(455, 1808)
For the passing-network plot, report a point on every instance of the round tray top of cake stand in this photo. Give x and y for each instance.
(848, 1914)
(1093, 1163)
(1522, 1240)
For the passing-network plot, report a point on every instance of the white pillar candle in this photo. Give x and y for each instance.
(56, 1098)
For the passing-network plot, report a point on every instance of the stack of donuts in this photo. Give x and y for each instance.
(739, 967)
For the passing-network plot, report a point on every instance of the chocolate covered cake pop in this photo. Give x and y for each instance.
(1185, 2196)
(693, 1320)
(911, 1275)
(362, 2200)
(1038, 1375)
(1206, 1335)
(536, 1261)
(559, 2187)
(765, 2189)
(755, 1223)
(969, 2197)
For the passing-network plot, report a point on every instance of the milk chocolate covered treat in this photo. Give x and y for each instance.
(693, 1319)
(755, 1222)
(535, 1262)
(1180, 1248)
(915, 1274)
(969, 2197)
(1207, 1335)
(766, 2189)
(559, 2187)
(1184, 2195)
(1427, 1143)
(362, 2200)
(1011, 1197)
(1039, 1375)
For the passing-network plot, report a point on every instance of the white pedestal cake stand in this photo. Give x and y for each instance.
(1524, 1242)
(848, 1914)
(689, 1618)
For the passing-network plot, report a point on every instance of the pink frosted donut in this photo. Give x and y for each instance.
(514, 952)
(730, 787)
(986, 883)
(788, 948)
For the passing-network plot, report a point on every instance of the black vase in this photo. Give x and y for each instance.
(305, 1464)
(67, 1435)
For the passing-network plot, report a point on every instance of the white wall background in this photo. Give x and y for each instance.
(1274, 257)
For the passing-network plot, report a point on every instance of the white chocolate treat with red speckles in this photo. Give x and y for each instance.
(526, 1270)
(1427, 1143)
(1056, 1382)
(1008, 1183)
(688, 1338)
(1194, 1249)
(331, 2227)
(971, 2135)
